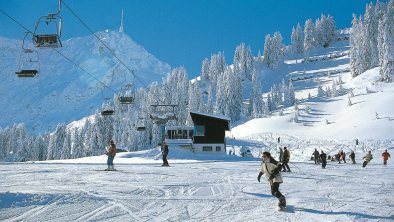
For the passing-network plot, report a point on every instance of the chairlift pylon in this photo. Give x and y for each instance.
(29, 62)
(48, 29)
(162, 113)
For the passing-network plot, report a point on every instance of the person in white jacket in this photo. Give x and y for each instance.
(272, 170)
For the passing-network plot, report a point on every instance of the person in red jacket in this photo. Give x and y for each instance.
(111, 153)
(386, 156)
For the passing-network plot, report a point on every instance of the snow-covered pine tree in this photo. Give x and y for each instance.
(243, 61)
(56, 142)
(205, 69)
(233, 89)
(309, 36)
(220, 105)
(371, 25)
(216, 67)
(267, 53)
(320, 91)
(334, 91)
(20, 144)
(319, 30)
(297, 40)
(359, 48)
(78, 146)
(273, 50)
(256, 101)
(194, 100)
(289, 95)
(210, 99)
(66, 148)
(387, 73)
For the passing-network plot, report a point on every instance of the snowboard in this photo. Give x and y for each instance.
(107, 170)
(288, 209)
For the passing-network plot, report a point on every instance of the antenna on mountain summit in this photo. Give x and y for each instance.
(121, 23)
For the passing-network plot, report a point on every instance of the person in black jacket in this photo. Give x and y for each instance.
(353, 157)
(323, 159)
(286, 158)
(165, 154)
(316, 156)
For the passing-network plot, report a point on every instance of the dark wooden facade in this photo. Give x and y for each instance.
(215, 128)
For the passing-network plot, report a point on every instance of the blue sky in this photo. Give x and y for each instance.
(183, 32)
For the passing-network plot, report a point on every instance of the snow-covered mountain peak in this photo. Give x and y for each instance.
(71, 78)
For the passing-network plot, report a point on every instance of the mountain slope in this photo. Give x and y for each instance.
(368, 117)
(64, 92)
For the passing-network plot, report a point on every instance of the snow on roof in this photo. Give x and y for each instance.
(216, 116)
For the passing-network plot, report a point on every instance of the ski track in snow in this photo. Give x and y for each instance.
(206, 191)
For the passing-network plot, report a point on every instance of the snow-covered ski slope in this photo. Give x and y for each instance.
(193, 188)
(200, 187)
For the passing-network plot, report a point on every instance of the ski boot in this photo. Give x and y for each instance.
(282, 203)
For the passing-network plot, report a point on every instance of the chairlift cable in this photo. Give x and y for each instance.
(26, 29)
(106, 46)
(74, 63)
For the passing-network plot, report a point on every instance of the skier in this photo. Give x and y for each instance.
(280, 155)
(165, 154)
(353, 157)
(271, 168)
(316, 156)
(367, 158)
(386, 156)
(338, 157)
(286, 158)
(343, 156)
(111, 153)
(323, 158)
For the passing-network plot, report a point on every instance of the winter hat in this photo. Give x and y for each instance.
(268, 154)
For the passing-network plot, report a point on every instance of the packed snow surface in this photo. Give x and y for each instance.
(195, 187)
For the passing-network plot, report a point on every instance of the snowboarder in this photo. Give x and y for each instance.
(386, 156)
(271, 168)
(286, 158)
(280, 155)
(316, 156)
(367, 158)
(165, 154)
(353, 157)
(323, 158)
(111, 153)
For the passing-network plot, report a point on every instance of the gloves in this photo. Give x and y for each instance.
(259, 176)
(271, 177)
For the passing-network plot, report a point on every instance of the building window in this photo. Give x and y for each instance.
(199, 130)
(207, 148)
(218, 149)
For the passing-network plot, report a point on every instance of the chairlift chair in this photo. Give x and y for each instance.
(48, 30)
(126, 95)
(107, 109)
(29, 62)
(141, 128)
(141, 123)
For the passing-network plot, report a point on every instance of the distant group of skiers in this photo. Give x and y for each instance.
(111, 153)
(341, 156)
(269, 166)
